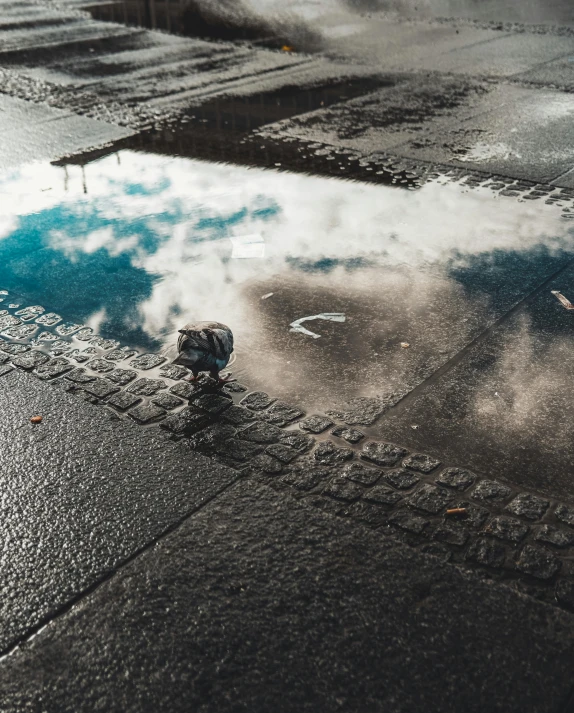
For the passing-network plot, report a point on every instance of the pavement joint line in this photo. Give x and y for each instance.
(457, 358)
(71, 603)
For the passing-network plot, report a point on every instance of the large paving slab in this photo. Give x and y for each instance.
(505, 408)
(258, 603)
(33, 132)
(81, 494)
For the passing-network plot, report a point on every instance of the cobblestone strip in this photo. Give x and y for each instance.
(446, 510)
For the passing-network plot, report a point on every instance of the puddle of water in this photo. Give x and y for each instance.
(136, 244)
(225, 20)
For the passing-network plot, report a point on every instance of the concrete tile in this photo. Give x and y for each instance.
(560, 72)
(259, 603)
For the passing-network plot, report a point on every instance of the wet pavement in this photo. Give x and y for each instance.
(411, 175)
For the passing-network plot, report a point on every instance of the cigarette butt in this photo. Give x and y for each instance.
(456, 511)
(405, 345)
(36, 419)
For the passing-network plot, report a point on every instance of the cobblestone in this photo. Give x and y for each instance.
(421, 463)
(14, 348)
(173, 372)
(100, 365)
(29, 360)
(430, 498)
(401, 479)
(306, 475)
(104, 344)
(167, 401)
(487, 552)
(260, 432)
(538, 562)
(121, 376)
(146, 387)
(234, 388)
(187, 421)
(456, 478)
(409, 522)
(119, 354)
(565, 514)
(79, 376)
(351, 435)
(385, 454)
(257, 401)
(301, 442)
(123, 400)
(147, 361)
(184, 389)
(506, 528)
(382, 495)
(146, 413)
(342, 489)
(328, 453)
(100, 388)
(490, 490)
(367, 513)
(557, 537)
(281, 414)
(267, 464)
(528, 506)
(5, 369)
(474, 515)
(285, 454)
(214, 404)
(237, 450)
(316, 424)
(564, 592)
(238, 415)
(53, 368)
(360, 473)
(456, 536)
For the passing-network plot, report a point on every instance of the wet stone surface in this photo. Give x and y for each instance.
(257, 401)
(123, 400)
(565, 592)
(316, 424)
(430, 498)
(100, 365)
(214, 404)
(173, 372)
(401, 479)
(367, 513)
(528, 506)
(456, 536)
(100, 388)
(53, 368)
(342, 489)
(487, 552)
(385, 454)
(119, 354)
(421, 463)
(146, 387)
(261, 432)
(283, 453)
(360, 473)
(146, 413)
(491, 490)
(327, 453)
(5, 369)
(281, 414)
(187, 421)
(507, 528)
(557, 537)
(79, 376)
(306, 475)
(184, 389)
(382, 495)
(565, 514)
(147, 361)
(474, 515)
(351, 435)
(121, 376)
(456, 478)
(538, 562)
(266, 463)
(238, 415)
(167, 401)
(29, 360)
(408, 521)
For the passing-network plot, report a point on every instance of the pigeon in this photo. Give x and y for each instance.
(205, 346)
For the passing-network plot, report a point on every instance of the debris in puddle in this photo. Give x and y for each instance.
(405, 345)
(414, 426)
(247, 246)
(564, 301)
(36, 419)
(286, 48)
(267, 296)
(456, 511)
(329, 316)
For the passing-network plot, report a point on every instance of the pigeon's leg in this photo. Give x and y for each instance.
(194, 377)
(221, 380)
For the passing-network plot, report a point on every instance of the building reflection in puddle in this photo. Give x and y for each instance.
(141, 242)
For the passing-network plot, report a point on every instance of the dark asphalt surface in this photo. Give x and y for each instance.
(82, 493)
(257, 603)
